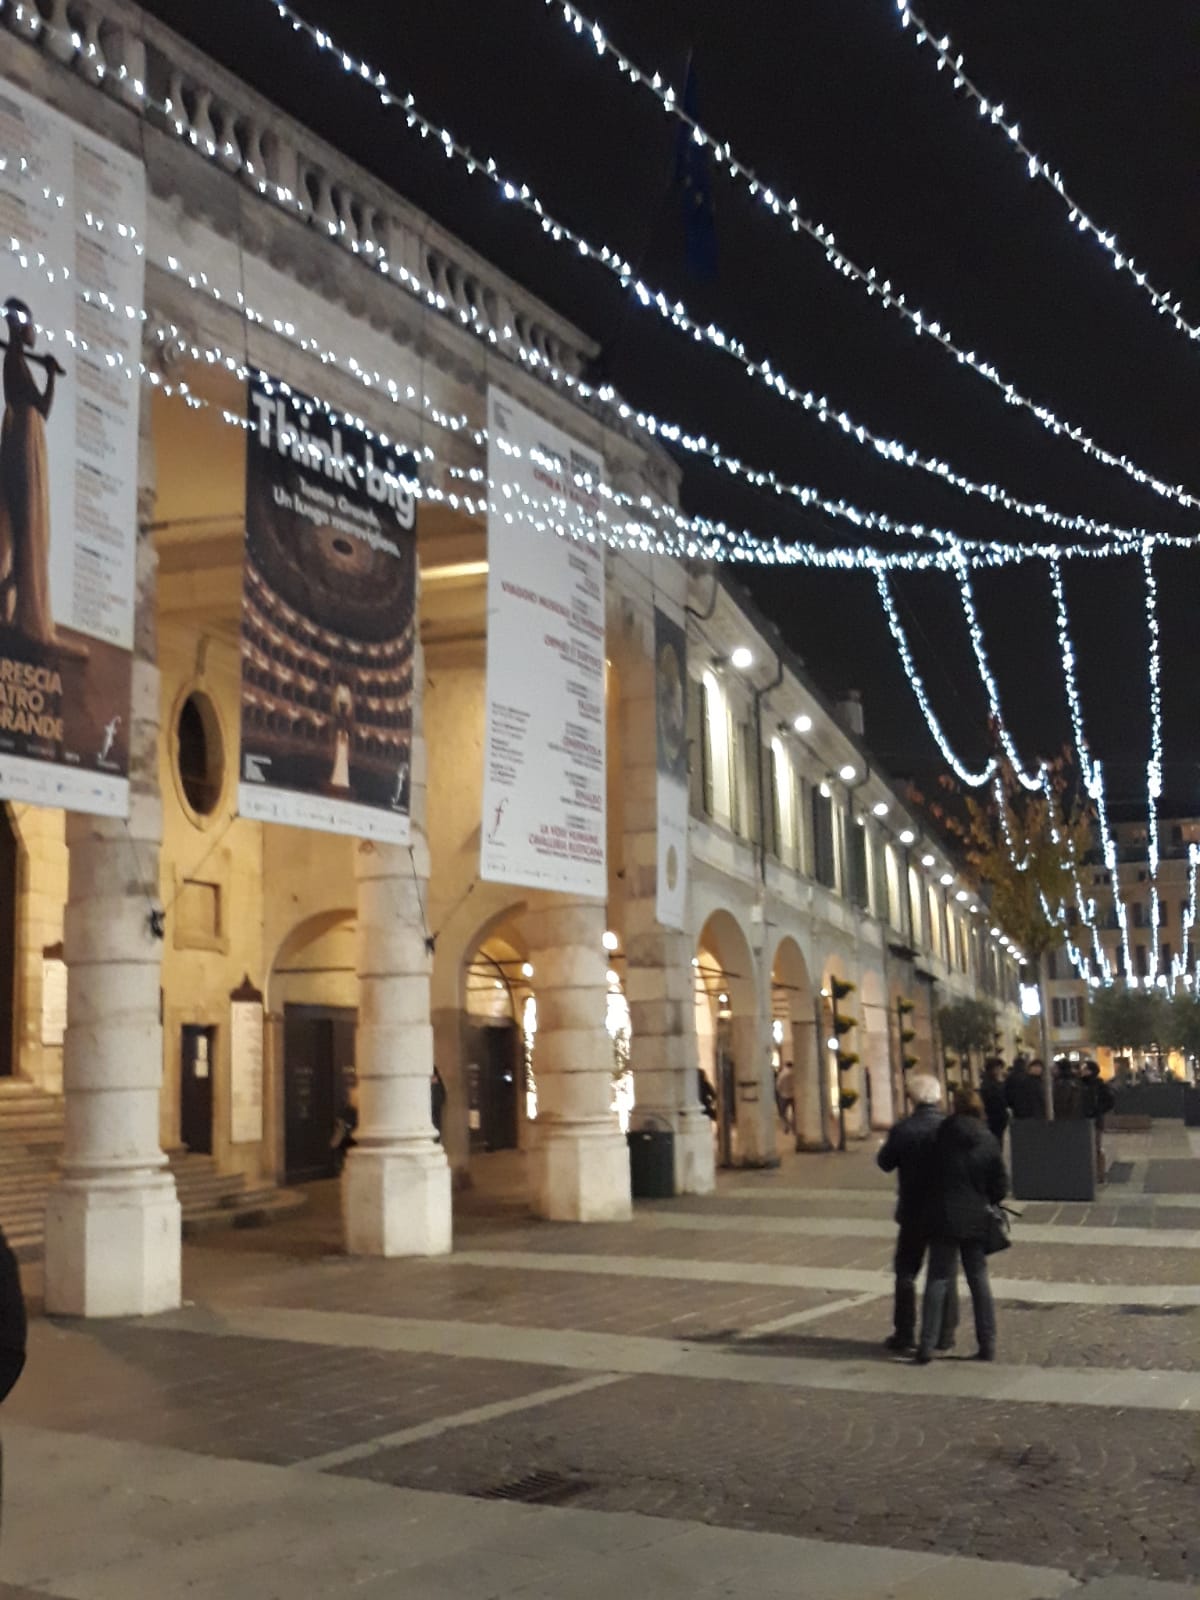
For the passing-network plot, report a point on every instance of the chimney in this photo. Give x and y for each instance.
(849, 710)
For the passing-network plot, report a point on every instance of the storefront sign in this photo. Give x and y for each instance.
(246, 1066)
(328, 603)
(73, 207)
(670, 720)
(544, 760)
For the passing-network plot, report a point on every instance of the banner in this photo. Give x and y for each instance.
(543, 775)
(328, 620)
(670, 721)
(73, 206)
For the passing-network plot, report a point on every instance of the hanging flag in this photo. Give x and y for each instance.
(693, 176)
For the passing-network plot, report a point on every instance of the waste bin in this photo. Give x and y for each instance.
(651, 1163)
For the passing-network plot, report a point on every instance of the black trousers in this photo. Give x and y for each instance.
(940, 1284)
(912, 1242)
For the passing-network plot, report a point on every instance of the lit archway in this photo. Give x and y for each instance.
(733, 1048)
(794, 1024)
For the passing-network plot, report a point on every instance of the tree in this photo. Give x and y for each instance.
(1143, 1019)
(967, 1025)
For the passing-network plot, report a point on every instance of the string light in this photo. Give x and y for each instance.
(1165, 305)
(786, 209)
(1031, 781)
(1155, 764)
(673, 311)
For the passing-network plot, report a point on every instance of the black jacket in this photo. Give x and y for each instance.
(1097, 1097)
(908, 1150)
(968, 1176)
(12, 1319)
(1027, 1097)
(995, 1106)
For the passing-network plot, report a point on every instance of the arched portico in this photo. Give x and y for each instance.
(876, 1108)
(732, 1026)
(794, 1009)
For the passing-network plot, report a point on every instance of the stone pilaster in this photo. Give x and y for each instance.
(659, 978)
(579, 1162)
(396, 1186)
(113, 1220)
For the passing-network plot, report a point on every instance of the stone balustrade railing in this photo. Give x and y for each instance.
(115, 46)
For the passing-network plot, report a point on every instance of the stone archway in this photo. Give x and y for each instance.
(734, 1048)
(794, 1013)
(877, 1109)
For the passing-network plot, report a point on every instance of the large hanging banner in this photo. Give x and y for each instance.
(543, 775)
(670, 721)
(72, 217)
(328, 618)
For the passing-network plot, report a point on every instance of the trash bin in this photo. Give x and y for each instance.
(651, 1163)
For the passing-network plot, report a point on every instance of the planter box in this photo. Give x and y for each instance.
(1191, 1107)
(1053, 1160)
(1150, 1100)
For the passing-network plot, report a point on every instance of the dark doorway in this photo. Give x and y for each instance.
(318, 1070)
(197, 1062)
(493, 1083)
(8, 944)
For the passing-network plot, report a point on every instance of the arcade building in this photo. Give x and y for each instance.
(231, 982)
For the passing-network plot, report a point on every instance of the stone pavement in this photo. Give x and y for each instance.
(695, 1404)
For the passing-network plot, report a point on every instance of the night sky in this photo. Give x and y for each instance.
(831, 101)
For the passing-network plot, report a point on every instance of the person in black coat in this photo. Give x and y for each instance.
(969, 1176)
(995, 1100)
(1027, 1093)
(1098, 1101)
(908, 1151)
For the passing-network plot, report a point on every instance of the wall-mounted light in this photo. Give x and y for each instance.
(742, 658)
(803, 723)
(927, 861)
(610, 940)
(962, 896)
(880, 808)
(907, 836)
(825, 792)
(947, 879)
(527, 969)
(848, 773)
(722, 999)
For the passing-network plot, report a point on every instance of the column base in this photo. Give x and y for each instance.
(396, 1202)
(113, 1247)
(695, 1156)
(580, 1176)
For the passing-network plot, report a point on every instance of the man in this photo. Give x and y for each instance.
(995, 1101)
(12, 1327)
(785, 1096)
(1098, 1101)
(1068, 1092)
(1027, 1094)
(909, 1152)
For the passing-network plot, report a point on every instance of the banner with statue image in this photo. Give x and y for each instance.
(72, 214)
(328, 621)
(670, 720)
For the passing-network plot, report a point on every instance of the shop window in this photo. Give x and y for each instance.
(199, 754)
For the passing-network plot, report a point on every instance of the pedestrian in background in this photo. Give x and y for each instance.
(908, 1151)
(785, 1096)
(1098, 1101)
(1068, 1092)
(968, 1179)
(1027, 1093)
(437, 1100)
(995, 1101)
(707, 1094)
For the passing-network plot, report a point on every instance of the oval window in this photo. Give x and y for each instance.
(199, 754)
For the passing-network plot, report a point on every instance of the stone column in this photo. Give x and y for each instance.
(659, 982)
(113, 1220)
(396, 1186)
(579, 1161)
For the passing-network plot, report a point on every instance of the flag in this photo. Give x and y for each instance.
(693, 177)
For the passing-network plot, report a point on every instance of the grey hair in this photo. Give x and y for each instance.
(924, 1090)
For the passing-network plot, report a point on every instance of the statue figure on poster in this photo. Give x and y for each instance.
(25, 481)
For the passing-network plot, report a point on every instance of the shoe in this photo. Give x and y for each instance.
(899, 1346)
(944, 1345)
(922, 1358)
(985, 1355)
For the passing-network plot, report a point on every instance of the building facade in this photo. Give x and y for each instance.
(554, 1021)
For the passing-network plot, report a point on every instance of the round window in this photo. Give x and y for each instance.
(200, 755)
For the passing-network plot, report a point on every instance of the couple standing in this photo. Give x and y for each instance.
(951, 1174)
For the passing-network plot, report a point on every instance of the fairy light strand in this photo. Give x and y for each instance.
(950, 59)
(675, 313)
(786, 209)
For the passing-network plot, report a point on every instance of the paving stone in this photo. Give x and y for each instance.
(908, 1473)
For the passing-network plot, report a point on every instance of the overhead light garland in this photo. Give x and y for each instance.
(1155, 764)
(1031, 781)
(787, 210)
(674, 312)
(950, 59)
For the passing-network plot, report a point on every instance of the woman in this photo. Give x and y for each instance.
(968, 1177)
(25, 481)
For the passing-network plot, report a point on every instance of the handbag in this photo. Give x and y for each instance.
(997, 1237)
